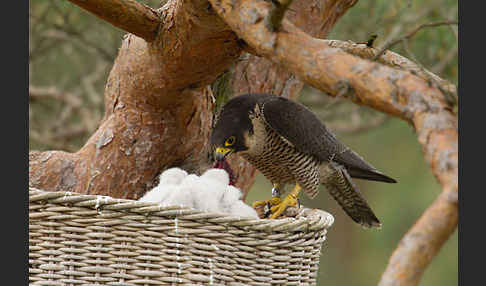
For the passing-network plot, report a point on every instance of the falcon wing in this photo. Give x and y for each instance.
(349, 197)
(301, 127)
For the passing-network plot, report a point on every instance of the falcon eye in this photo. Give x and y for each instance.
(230, 141)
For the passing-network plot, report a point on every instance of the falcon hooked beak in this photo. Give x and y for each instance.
(220, 162)
(221, 152)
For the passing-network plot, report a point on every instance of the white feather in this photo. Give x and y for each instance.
(230, 196)
(207, 195)
(183, 194)
(156, 195)
(209, 192)
(218, 175)
(172, 176)
(239, 208)
(164, 189)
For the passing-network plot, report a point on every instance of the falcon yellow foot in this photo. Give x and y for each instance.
(291, 200)
(264, 208)
(271, 202)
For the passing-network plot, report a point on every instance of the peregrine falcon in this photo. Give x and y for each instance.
(288, 144)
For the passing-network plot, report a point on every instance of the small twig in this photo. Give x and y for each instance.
(89, 81)
(452, 13)
(404, 42)
(410, 35)
(74, 35)
(39, 48)
(59, 133)
(70, 133)
(36, 93)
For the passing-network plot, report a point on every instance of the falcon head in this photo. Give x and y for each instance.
(233, 125)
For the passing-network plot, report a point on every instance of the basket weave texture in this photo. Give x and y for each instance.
(97, 240)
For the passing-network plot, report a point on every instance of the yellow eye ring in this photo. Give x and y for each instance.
(230, 141)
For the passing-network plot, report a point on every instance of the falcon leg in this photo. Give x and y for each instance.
(290, 201)
(276, 190)
(268, 204)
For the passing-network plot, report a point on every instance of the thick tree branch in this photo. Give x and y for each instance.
(393, 60)
(396, 92)
(128, 15)
(321, 66)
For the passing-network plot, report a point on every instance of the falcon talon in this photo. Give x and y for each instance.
(289, 144)
(267, 211)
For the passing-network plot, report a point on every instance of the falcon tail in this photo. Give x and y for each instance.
(343, 190)
(370, 175)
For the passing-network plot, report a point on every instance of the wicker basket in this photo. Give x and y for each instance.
(97, 240)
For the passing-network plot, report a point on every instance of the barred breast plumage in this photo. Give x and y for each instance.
(279, 161)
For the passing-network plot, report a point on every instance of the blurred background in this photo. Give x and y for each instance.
(71, 53)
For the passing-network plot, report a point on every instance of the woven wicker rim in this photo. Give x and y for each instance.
(313, 220)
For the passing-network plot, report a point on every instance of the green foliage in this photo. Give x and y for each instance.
(222, 91)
